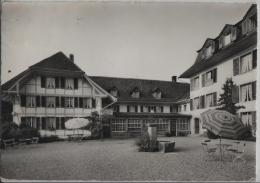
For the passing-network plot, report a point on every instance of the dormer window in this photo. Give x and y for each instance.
(135, 93)
(249, 24)
(114, 92)
(224, 40)
(157, 93)
(208, 51)
(233, 33)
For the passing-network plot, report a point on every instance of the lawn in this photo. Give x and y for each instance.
(116, 160)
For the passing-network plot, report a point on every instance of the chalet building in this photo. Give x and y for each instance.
(232, 54)
(141, 102)
(50, 92)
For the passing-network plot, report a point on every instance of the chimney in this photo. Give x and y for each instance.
(72, 58)
(174, 79)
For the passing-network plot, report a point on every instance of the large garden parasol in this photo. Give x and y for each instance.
(76, 123)
(223, 123)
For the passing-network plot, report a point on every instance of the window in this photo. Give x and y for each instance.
(33, 122)
(118, 125)
(30, 101)
(185, 107)
(211, 99)
(116, 108)
(196, 103)
(50, 123)
(114, 92)
(248, 92)
(69, 102)
(226, 39)
(249, 119)
(135, 94)
(208, 52)
(182, 125)
(162, 124)
(159, 109)
(132, 108)
(69, 84)
(134, 124)
(233, 33)
(195, 83)
(157, 94)
(202, 101)
(144, 108)
(249, 24)
(50, 83)
(245, 63)
(209, 78)
(87, 103)
(50, 101)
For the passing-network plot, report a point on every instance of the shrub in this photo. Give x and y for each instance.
(10, 130)
(46, 139)
(27, 133)
(143, 143)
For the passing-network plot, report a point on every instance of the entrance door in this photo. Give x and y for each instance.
(173, 127)
(197, 125)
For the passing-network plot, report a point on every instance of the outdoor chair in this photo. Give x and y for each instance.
(9, 143)
(240, 154)
(209, 151)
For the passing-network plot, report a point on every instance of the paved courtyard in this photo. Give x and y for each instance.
(119, 160)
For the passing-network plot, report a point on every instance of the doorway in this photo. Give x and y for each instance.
(197, 125)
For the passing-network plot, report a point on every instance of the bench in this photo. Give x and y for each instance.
(9, 143)
(24, 141)
(166, 146)
(35, 140)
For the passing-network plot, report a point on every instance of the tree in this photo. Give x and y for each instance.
(226, 102)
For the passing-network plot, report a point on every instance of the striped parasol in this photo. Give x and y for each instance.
(223, 123)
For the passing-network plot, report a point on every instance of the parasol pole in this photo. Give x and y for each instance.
(220, 147)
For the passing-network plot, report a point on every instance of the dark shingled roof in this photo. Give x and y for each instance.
(171, 92)
(221, 56)
(56, 62)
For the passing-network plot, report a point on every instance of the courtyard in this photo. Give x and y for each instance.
(118, 159)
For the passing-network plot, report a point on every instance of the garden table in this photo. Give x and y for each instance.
(223, 146)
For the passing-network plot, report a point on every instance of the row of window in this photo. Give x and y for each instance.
(204, 101)
(45, 123)
(131, 125)
(241, 64)
(208, 78)
(59, 82)
(57, 102)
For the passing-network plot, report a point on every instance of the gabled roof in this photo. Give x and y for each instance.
(251, 10)
(172, 92)
(57, 61)
(221, 55)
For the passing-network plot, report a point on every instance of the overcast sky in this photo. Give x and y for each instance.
(137, 40)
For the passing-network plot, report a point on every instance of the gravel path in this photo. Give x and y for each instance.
(119, 160)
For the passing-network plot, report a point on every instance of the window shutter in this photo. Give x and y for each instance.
(213, 47)
(136, 108)
(220, 42)
(142, 108)
(254, 90)
(203, 77)
(80, 102)
(43, 123)
(235, 94)
(244, 27)
(93, 103)
(254, 58)
(57, 123)
(191, 104)
(171, 109)
(128, 108)
(233, 33)
(161, 108)
(57, 101)
(43, 101)
(214, 75)
(75, 83)
(62, 83)
(236, 66)
(38, 123)
(62, 120)
(62, 102)
(214, 99)
(43, 81)
(202, 102)
(57, 82)
(38, 101)
(23, 100)
(76, 99)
